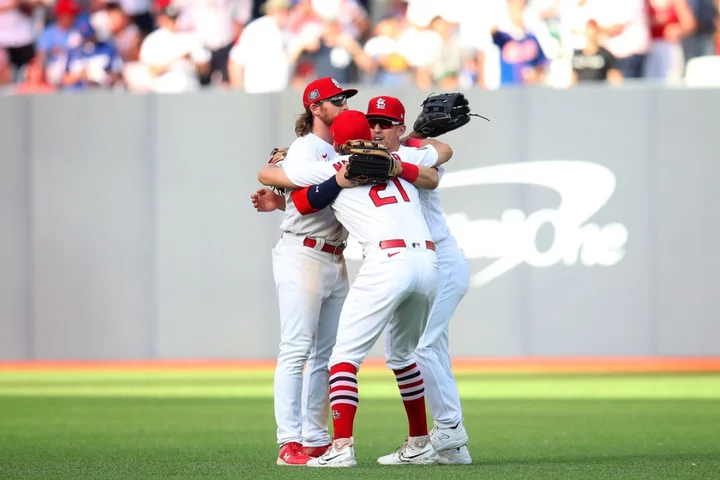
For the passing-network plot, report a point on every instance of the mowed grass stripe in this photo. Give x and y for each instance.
(372, 385)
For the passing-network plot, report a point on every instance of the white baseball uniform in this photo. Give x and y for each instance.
(311, 281)
(433, 354)
(397, 282)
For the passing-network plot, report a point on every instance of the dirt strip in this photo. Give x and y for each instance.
(460, 365)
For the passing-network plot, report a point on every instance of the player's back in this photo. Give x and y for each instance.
(372, 214)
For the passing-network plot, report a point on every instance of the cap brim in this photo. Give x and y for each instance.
(384, 117)
(350, 92)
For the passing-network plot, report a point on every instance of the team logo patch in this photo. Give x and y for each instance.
(335, 82)
(380, 104)
(313, 95)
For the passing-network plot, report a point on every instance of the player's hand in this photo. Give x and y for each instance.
(264, 200)
(341, 180)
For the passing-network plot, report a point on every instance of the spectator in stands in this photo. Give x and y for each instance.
(261, 59)
(59, 37)
(384, 49)
(92, 64)
(338, 55)
(447, 60)
(670, 21)
(140, 13)
(475, 22)
(217, 26)
(594, 63)
(522, 61)
(700, 43)
(350, 14)
(624, 25)
(35, 80)
(174, 60)
(126, 35)
(17, 37)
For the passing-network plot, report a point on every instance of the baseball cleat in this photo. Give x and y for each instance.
(415, 451)
(444, 439)
(315, 452)
(456, 456)
(291, 455)
(340, 454)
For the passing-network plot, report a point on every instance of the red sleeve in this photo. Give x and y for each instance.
(301, 201)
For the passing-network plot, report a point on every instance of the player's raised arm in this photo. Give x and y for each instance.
(444, 151)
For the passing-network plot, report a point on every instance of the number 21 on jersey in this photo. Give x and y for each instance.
(390, 199)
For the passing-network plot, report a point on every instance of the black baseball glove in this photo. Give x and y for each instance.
(443, 113)
(369, 162)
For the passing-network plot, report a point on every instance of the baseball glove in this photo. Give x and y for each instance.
(443, 113)
(369, 163)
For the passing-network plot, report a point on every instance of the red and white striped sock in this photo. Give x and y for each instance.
(343, 398)
(412, 391)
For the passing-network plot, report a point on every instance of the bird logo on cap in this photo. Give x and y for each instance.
(335, 82)
(380, 104)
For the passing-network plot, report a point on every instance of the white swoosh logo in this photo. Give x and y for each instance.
(583, 187)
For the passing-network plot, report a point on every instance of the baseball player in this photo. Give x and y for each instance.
(386, 116)
(395, 286)
(311, 283)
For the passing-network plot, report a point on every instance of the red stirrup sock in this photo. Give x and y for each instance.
(412, 391)
(343, 398)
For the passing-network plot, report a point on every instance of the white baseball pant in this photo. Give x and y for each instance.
(433, 351)
(394, 288)
(311, 287)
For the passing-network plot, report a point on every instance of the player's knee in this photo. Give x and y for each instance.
(398, 362)
(294, 356)
(422, 352)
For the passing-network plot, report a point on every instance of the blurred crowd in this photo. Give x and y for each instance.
(172, 46)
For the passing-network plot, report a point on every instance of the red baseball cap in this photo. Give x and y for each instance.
(350, 125)
(388, 108)
(324, 88)
(67, 7)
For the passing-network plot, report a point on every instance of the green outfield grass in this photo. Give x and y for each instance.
(211, 425)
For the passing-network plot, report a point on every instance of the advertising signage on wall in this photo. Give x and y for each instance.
(512, 239)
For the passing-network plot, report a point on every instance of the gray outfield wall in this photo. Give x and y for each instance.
(588, 215)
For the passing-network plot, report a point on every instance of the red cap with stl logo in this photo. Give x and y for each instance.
(350, 125)
(324, 88)
(388, 108)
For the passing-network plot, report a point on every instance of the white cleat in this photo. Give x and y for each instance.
(415, 451)
(444, 439)
(456, 456)
(340, 454)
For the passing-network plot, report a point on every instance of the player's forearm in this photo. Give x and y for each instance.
(428, 178)
(314, 198)
(274, 176)
(420, 176)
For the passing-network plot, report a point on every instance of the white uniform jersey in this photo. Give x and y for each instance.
(371, 213)
(429, 199)
(304, 152)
